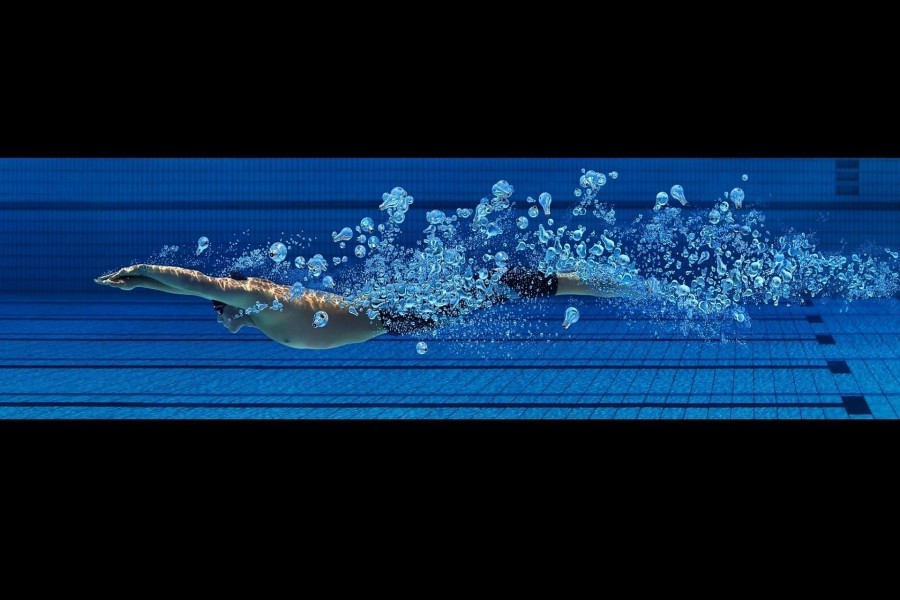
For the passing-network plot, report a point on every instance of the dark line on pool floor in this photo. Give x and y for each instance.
(856, 405)
(380, 394)
(347, 405)
(838, 366)
(417, 367)
(825, 340)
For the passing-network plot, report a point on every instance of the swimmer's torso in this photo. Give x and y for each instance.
(293, 324)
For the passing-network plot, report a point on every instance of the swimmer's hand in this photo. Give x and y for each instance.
(126, 278)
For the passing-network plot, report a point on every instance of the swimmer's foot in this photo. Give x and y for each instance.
(644, 288)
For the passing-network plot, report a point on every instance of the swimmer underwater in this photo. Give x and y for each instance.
(694, 266)
(293, 326)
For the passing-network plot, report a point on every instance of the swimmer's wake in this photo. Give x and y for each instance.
(699, 267)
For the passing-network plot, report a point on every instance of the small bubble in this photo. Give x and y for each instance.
(522, 223)
(320, 319)
(744, 177)
(571, 317)
(662, 199)
(296, 291)
(435, 217)
(277, 252)
(593, 180)
(545, 200)
(421, 347)
(614, 174)
(502, 189)
(345, 234)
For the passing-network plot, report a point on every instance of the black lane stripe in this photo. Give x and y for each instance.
(410, 405)
(328, 363)
(856, 405)
(838, 366)
(418, 367)
(356, 395)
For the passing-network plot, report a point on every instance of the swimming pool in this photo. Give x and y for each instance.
(69, 345)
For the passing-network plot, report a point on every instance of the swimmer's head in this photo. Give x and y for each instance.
(228, 317)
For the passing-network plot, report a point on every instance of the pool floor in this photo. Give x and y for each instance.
(138, 356)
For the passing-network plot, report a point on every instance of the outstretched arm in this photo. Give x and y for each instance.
(187, 282)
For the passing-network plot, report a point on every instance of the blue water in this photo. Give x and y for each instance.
(68, 344)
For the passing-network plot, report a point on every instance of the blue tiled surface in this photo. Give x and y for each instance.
(75, 353)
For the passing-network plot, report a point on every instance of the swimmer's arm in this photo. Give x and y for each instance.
(129, 282)
(177, 280)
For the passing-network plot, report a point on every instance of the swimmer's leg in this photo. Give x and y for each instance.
(405, 324)
(571, 284)
(530, 283)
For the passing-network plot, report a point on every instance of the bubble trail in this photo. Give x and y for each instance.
(697, 266)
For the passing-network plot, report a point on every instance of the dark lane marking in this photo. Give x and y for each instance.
(838, 366)
(856, 405)
(418, 367)
(139, 404)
